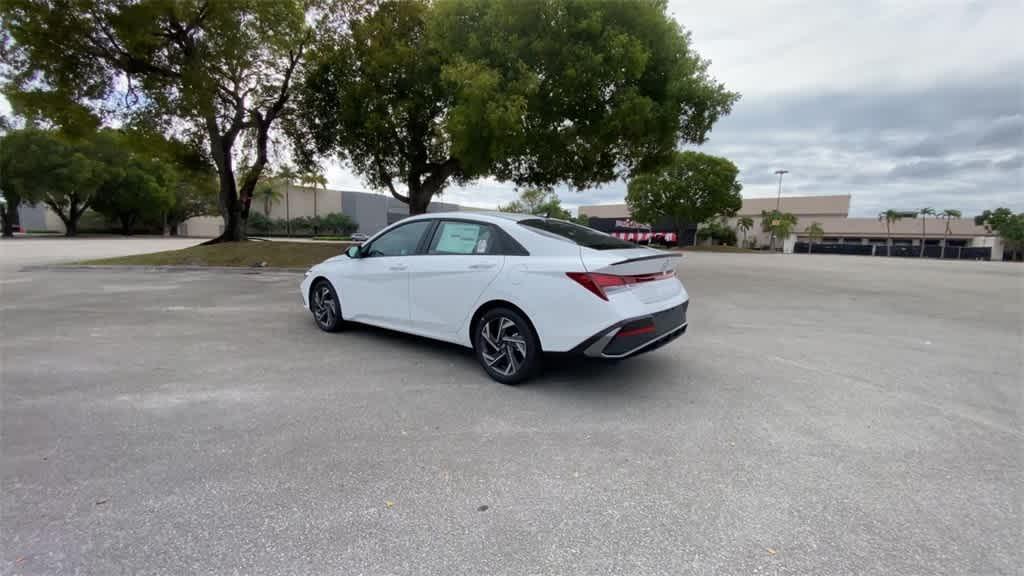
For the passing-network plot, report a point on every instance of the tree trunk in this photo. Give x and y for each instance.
(230, 207)
(10, 218)
(127, 224)
(234, 227)
(70, 219)
(923, 233)
(420, 195)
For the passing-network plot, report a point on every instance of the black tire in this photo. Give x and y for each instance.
(506, 346)
(325, 306)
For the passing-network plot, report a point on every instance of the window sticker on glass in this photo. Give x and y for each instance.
(458, 238)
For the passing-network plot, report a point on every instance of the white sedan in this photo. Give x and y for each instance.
(510, 286)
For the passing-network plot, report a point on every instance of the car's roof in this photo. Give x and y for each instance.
(480, 215)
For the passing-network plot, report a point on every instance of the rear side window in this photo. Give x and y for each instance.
(587, 237)
(454, 237)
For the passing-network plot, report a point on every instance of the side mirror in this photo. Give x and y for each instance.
(352, 252)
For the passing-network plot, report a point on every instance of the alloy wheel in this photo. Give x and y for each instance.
(324, 309)
(504, 347)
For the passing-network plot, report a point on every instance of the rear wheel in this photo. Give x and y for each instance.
(506, 346)
(324, 304)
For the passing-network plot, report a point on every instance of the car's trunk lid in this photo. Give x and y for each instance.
(629, 261)
(637, 262)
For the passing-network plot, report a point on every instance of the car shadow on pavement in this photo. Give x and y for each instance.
(567, 372)
(573, 374)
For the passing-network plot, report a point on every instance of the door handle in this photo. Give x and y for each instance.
(397, 268)
(480, 266)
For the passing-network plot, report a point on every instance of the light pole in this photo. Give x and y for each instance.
(778, 199)
(778, 204)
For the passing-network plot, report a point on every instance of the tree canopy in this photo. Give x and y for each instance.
(43, 166)
(124, 175)
(538, 202)
(691, 189)
(1008, 225)
(219, 72)
(779, 224)
(415, 94)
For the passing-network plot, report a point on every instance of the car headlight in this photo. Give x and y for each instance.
(308, 272)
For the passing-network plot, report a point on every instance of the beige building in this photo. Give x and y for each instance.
(370, 211)
(832, 212)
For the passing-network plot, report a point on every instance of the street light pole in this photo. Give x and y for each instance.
(778, 205)
(778, 199)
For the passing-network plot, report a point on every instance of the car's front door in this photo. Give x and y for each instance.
(460, 262)
(376, 288)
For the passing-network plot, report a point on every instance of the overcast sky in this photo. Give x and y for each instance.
(900, 104)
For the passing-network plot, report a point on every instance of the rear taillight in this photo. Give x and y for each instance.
(602, 284)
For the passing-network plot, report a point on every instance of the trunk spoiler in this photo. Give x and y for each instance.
(642, 258)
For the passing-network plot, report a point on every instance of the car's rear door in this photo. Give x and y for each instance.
(462, 259)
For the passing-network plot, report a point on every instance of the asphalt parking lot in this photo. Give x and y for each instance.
(823, 415)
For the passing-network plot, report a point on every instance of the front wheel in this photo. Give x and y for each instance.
(506, 346)
(324, 304)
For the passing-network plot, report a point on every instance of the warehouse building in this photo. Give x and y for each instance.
(832, 213)
(370, 211)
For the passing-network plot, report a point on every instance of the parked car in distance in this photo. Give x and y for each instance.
(360, 237)
(509, 286)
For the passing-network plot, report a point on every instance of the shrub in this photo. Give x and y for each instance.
(718, 233)
(338, 223)
(258, 223)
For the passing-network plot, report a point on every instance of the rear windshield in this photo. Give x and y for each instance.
(579, 234)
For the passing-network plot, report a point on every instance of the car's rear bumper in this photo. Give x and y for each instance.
(636, 335)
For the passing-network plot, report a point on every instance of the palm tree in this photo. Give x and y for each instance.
(744, 223)
(269, 194)
(890, 216)
(287, 174)
(785, 222)
(814, 232)
(766, 227)
(947, 215)
(924, 213)
(313, 180)
(780, 224)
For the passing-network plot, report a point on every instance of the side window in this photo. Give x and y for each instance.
(401, 241)
(463, 238)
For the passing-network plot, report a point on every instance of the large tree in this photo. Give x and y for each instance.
(691, 189)
(415, 95)
(124, 174)
(538, 202)
(45, 166)
(1009, 227)
(220, 70)
(137, 182)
